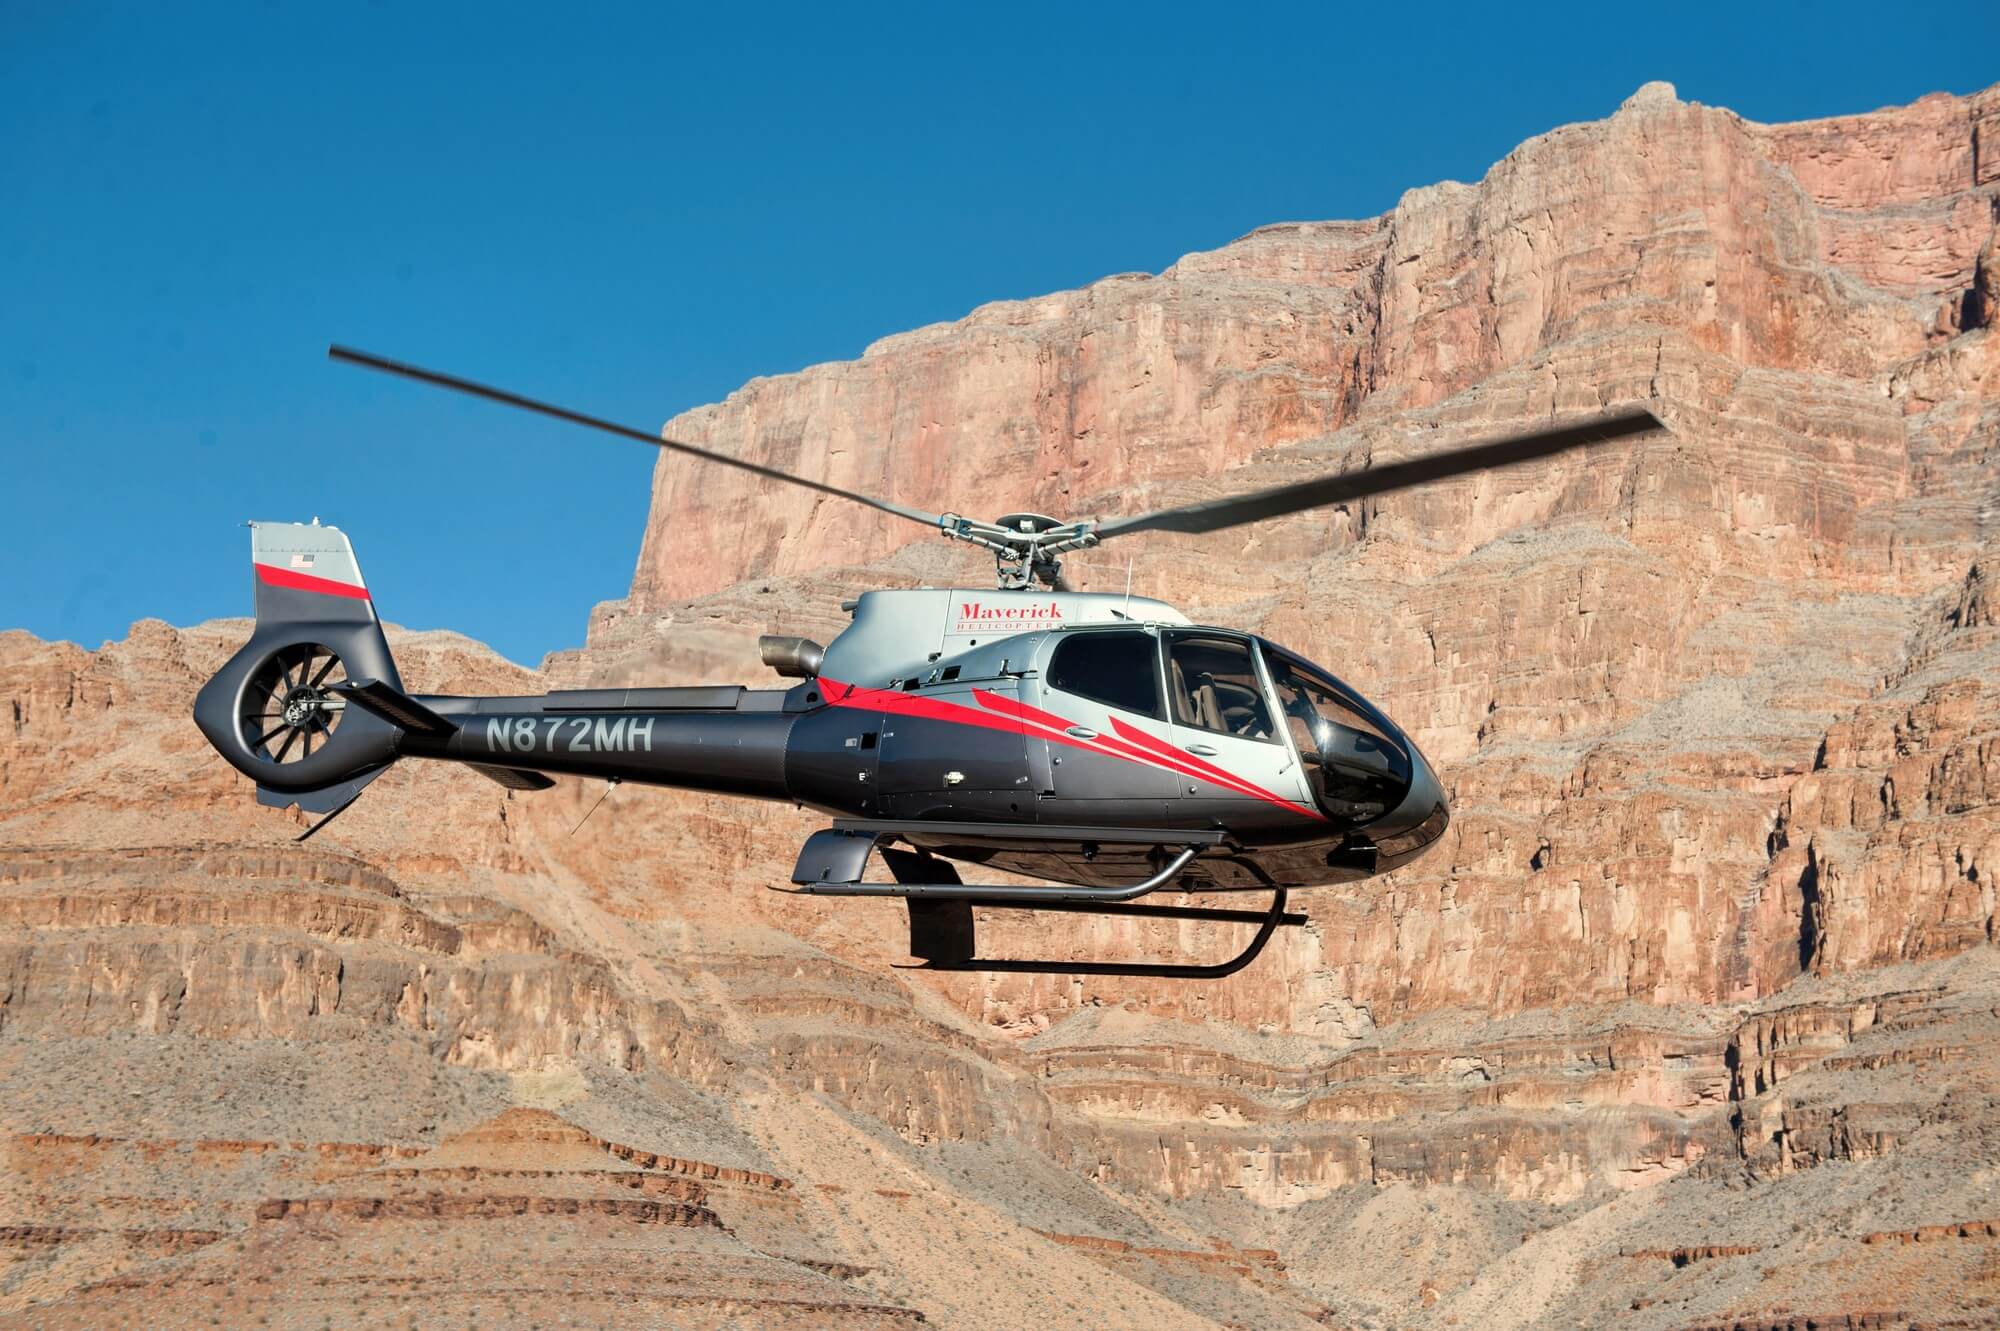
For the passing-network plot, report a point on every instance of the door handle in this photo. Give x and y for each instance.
(1081, 732)
(1201, 750)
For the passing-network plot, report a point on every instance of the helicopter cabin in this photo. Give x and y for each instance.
(1092, 708)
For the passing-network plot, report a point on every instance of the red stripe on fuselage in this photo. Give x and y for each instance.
(1007, 714)
(306, 582)
(897, 703)
(1151, 752)
(1162, 750)
(1015, 707)
(1150, 749)
(1161, 754)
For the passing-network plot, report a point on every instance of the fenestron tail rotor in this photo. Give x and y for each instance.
(288, 709)
(1028, 547)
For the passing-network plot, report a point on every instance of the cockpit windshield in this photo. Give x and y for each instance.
(1358, 769)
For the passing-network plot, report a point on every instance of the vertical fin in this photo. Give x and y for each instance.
(306, 571)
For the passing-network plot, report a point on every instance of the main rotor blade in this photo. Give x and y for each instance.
(373, 362)
(1217, 514)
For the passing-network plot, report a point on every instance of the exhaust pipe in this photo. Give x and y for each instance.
(794, 658)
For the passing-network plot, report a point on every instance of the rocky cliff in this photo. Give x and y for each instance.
(1694, 1019)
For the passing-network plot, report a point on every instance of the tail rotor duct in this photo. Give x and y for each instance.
(288, 710)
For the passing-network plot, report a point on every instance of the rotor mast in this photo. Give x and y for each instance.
(1027, 547)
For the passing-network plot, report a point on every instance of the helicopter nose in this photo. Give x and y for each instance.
(1426, 791)
(1403, 832)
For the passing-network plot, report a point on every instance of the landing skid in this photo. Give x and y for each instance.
(941, 932)
(942, 928)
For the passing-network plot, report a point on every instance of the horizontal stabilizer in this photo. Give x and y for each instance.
(399, 709)
(513, 778)
(323, 800)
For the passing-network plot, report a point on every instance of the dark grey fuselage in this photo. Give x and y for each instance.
(969, 728)
(966, 709)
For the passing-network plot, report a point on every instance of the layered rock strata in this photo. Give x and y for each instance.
(1690, 1022)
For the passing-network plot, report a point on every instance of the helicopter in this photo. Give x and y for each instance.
(1103, 745)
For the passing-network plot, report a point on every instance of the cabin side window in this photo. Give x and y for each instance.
(1215, 686)
(1119, 669)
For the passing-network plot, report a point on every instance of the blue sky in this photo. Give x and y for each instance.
(632, 210)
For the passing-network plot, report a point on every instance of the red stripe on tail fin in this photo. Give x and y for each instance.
(306, 582)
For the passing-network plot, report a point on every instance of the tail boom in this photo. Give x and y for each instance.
(318, 664)
(734, 750)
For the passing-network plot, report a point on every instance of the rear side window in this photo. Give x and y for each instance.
(1118, 669)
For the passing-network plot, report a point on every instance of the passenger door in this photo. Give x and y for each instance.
(1242, 772)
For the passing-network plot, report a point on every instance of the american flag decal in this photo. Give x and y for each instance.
(302, 561)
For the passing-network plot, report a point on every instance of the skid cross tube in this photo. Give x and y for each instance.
(1010, 833)
(1225, 916)
(1268, 922)
(999, 893)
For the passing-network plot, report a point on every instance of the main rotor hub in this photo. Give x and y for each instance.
(1027, 523)
(1025, 546)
